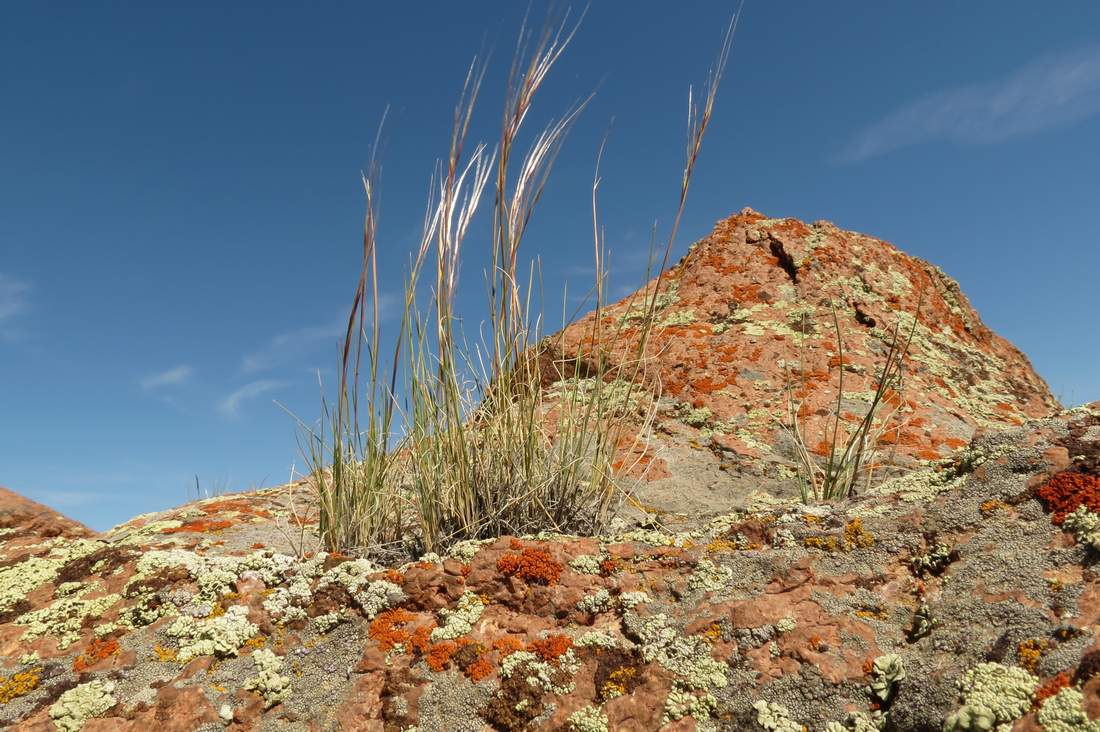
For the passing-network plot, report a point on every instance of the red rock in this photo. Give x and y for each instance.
(29, 517)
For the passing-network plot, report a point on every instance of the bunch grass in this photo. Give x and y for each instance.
(439, 440)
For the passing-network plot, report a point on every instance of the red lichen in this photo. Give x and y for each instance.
(1050, 687)
(1066, 492)
(532, 565)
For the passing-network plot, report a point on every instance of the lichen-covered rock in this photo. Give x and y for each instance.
(962, 595)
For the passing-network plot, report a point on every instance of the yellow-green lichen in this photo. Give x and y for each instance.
(1085, 526)
(775, 717)
(268, 682)
(1065, 712)
(460, 621)
(79, 704)
(65, 618)
(992, 694)
(588, 719)
(216, 636)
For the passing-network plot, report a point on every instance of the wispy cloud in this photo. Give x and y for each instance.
(1048, 92)
(230, 406)
(171, 377)
(14, 300)
(287, 346)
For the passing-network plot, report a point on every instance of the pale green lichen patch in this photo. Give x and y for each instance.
(683, 702)
(689, 658)
(617, 396)
(775, 717)
(1085, 526)
(677, 317)
(65, 618)
(886, 673)
(540, 674)
(695, 417)
(77, 705)
(460, 621)
(269, 682)
(1065, 712)
(218, 636)
(588, 719)
(586, 563)
(710, 577)
(992, 694)
(19, 580)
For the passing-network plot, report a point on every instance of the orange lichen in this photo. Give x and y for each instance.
(551, 648)
(993, 504)
(479, 669)
(855, 536)
(256, 642)
(1031, 652)
(420, 639)
(234, 505)
(1066, 492)
(617, 682)
(199, 526)
(531, 565)
(439, 655)
(610, 566)
(164, 655)
(97, 651)
(507, 645)
(386, 630)
(393, 576)
(875, 613)
(19, 684)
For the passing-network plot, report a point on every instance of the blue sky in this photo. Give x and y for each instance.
(180, 205)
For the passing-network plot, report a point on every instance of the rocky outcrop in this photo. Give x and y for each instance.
(750, 310)
(963, 589)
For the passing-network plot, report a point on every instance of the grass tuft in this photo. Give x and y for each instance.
(436, 440)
